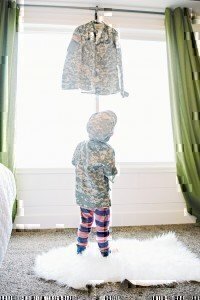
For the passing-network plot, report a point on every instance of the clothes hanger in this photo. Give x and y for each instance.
(96, 18)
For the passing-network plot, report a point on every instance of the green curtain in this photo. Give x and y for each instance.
(184, 85)
(9, 17)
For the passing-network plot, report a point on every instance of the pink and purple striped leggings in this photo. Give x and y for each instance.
(102, 220)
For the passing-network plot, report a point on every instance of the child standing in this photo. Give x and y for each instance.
(94, 160)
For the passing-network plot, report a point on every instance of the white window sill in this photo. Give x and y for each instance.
(124, 168)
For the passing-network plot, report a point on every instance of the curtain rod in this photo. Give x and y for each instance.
(99, 9)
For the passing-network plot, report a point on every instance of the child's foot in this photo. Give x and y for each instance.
(80, 249)
(106, 253)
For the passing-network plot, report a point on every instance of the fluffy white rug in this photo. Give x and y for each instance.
(158, 260)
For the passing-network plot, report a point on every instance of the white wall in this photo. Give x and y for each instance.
(143, 194)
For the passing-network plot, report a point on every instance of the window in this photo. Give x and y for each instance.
(51, 121)
(144, 131)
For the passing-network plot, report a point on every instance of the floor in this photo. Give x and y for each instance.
(17, 279)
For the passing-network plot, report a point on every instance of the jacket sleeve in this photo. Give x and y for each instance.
(119, 64)
(72, 63)
(109, 167)
(76, 155)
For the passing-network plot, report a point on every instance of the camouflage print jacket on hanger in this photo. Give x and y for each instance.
(93, 62)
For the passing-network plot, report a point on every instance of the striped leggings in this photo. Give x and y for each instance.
(102, 220)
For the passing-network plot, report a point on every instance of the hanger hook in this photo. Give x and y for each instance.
(96, 13)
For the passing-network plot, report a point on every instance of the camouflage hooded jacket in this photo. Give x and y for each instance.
(95, 162)
(93, 62)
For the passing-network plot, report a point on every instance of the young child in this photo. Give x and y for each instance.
(94, 160)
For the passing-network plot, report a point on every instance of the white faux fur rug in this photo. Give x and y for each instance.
(158, 260)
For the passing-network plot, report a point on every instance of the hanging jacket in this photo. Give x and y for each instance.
(93, 61)
(94, 160)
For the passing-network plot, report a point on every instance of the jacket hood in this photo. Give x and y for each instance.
(101, 125)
